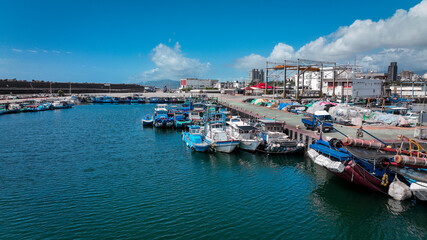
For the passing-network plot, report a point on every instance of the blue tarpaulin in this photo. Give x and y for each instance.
(282, 105)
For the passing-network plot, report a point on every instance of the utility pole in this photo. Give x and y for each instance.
(284, 80)
(297, 83)
(266, 77)
(333, 84)
(321, 81)
(70, 88)
(348, 73)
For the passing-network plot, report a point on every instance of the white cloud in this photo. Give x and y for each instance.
(407, 58)
(402, 38)
(172, 64)
(32, 51)
(17, 50)
(280, 52)
(56, 51)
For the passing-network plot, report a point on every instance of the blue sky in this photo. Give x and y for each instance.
(134, 41)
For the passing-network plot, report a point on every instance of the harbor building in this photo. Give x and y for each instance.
(196, 83)
(256, 76)
(392, 72)
(311, 80)
(230, 85)
(355, 87)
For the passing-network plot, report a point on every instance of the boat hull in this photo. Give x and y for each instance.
(349, 171)
(225, 146)
(249, 145)
(355, 174)
(147, 123)
(198, 147)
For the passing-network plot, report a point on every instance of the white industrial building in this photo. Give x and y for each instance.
(311, 80)
(230, 85)
(345, 83)
(196, 83)
(355, 87)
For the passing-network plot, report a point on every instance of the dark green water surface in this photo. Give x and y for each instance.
(92, 172)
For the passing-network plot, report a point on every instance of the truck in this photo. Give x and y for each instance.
(318, 120)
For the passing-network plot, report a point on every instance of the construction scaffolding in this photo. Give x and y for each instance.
(296, 69)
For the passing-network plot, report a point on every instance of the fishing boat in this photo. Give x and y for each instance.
(135, 99)
(274, 140)
(358, 169)
(147, 121)
(374, 165)
(179, 120)
(61, 105)
(161, 118)
(199, 107)
(216, 134)
(44, 106)
(187, 106)
(196, 117)
(12, 108)
(247, 134)
(115, 100)
(194, 139)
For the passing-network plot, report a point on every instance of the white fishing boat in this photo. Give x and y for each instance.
(248, 135)
(218, 138)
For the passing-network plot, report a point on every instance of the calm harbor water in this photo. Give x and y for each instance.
(92, 172)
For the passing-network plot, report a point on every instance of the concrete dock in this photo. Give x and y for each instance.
(296, 129)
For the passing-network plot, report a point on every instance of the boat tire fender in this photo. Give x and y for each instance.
(336, 143)
(383, 162)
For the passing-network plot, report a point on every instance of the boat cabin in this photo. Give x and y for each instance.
(199, 107)
(247, 132)
(270, 125)
(196, 116)
(195, 130)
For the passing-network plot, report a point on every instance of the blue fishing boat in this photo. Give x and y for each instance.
(147, 121)
(180, 120)
(194, 139)
(186, 107)
(161, 118)
(116, 100)
(107, 100)
(134, 100)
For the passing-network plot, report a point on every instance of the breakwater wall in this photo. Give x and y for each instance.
(12, 86)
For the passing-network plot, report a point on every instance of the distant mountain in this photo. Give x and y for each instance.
(170, 84)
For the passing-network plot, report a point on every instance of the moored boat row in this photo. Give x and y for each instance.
(210, 130)
(35, 106)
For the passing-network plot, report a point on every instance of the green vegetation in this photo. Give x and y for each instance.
(187, 89)
(61, 93)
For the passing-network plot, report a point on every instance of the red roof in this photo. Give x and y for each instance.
(262, 86)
